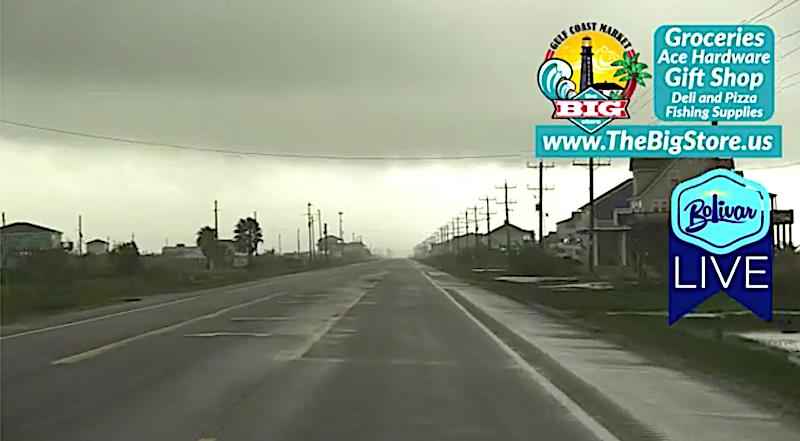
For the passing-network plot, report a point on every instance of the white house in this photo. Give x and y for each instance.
(509, 234)
(181, 251)
(96, 247)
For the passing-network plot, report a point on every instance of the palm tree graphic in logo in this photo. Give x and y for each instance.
(632, 71)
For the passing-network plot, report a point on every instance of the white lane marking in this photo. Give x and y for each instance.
(98, 318)
(572, 407)
(390, 361)
(252, 285)
(81, 356)
(229, 334)
(121, 313)
(324, 329)
(260, 319)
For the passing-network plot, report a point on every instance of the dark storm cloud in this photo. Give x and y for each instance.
(350, 77)
(344, 77)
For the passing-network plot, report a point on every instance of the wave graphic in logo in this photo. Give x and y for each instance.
(554, 79)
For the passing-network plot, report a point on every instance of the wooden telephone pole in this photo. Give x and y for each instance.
(489, 214)
(506, 202)
(591, 248)
(541, 189)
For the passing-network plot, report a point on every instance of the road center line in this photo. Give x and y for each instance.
(261, 319)
(572, 407)
(91, 353)
(98, 318)
(325, 328)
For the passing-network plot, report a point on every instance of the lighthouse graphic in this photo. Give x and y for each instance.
(587, 77)
(588, 95)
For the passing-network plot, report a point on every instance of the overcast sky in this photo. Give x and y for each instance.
(336, 78)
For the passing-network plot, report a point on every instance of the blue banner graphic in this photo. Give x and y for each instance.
(719, 241)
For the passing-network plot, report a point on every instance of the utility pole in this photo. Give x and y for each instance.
(448, 231)
(80, 235)
(4, 218)
(310, 219)
(541, 189)
(454, 223)
(325, 243)
(488, 220)
(591, 165)
(466, 226)
(319, 222)
(216, 220)
(298, 242)
(341, 231)
(475, 222)
(280, 246)
(506, 203)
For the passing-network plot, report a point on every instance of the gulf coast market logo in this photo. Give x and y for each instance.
(719, 241)
(590, 73)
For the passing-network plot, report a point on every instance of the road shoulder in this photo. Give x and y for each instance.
(653, 402)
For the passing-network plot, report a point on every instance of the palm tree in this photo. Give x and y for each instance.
(247, 235)
(207, 241)
(632, 71)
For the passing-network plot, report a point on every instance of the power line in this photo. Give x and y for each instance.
(785, 36)
(764, 11)
(767, 9)
(778, 11)
(790, 76)
(790, 85)
(786, 54)
(252, 153)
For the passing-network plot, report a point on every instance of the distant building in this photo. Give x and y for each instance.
(631, 218)
(181, 251)
(355, 251)
(573, 234)
(25, 237)
(647, 214)
(330, 245)
(230, 246)
(96, 247)
(500, 237)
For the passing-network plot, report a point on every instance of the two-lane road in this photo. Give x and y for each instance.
(366, 352)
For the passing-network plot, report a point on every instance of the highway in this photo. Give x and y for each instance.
(372, 351)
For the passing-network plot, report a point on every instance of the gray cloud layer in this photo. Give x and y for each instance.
(320, 77)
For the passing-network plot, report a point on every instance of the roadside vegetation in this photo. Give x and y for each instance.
(56, 280)
(708, 346)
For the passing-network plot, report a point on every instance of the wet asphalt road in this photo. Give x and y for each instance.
(364, 352)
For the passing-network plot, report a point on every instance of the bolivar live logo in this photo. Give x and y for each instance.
(590, 74)
(719, 240)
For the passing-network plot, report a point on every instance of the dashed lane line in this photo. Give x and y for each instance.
(91, 353)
